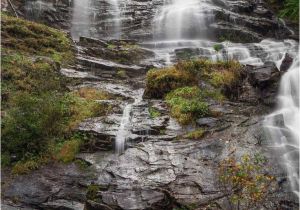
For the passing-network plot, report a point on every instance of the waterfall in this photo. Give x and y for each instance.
(283, 126)
(123, 131)
(116, 13)
(125, 123)
(81, 19)
(179, 19)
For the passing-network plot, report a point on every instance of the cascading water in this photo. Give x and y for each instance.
(283, 126)
(81, 19)
(177, 20)
(116, 13)
(124, 129)
(34, 9)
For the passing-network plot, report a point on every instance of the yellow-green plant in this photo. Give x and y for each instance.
(245, 183)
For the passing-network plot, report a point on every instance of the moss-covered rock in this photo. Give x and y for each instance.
(159, 82)
(32, 38)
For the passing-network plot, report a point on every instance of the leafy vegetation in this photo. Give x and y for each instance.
(39, 114)
(187, 104)
(245, 182)
(290, 10)
(221, 74)
(32, 38)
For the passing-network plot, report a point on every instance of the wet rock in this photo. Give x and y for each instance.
(120, 51)
(263, 76)
(279, 121)
(286, 62)
(57, 186)
(101, 132)
(207, 121)
(63, 204)
(265, 80)
(177, 166)
(190, 53)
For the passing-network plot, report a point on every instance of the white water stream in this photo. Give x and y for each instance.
(283, 125)
(125, 124)
(116, 13)
(81, 19)
(181, 19)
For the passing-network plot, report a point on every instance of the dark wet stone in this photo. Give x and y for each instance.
(263, 76)
(55, 186)
(286, 62)
(207, 121)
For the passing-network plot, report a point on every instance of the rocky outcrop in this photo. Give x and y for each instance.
(264, 84)
(242, 21)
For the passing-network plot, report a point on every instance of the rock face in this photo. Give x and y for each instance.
(55, 186)
(265, 83)
(160, 168)
(242, 21)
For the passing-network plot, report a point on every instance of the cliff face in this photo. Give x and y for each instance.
(166, 165)
(242, 21)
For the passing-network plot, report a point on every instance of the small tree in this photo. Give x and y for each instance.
(244, 183)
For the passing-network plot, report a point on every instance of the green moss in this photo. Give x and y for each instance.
(218, 47)
(122, 74)
(154, 113)
(197, 134)
(92, 192)
(161, 82)
(82, 165)
(187, 104)
(32, 38)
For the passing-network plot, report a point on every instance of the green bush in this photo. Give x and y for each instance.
(290, 10)
(187, 104)
(31, 122)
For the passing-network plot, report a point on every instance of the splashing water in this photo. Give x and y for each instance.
(283, 126)
(177, 19)
(125, 125)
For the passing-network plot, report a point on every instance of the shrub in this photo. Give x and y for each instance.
(187, 104)
(245, 183)
(32, 122)
(161, 82)
(290, 10)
